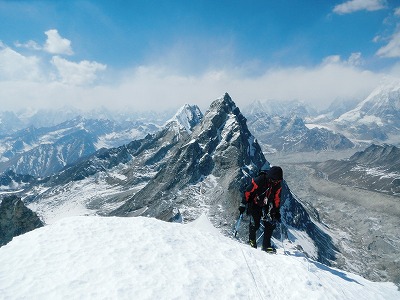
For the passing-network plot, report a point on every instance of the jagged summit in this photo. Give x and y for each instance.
(224, 102)
(187, 117)
(214, 154)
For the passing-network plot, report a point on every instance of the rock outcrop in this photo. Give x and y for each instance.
(16, 219)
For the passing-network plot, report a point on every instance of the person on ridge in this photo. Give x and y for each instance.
(262, 198)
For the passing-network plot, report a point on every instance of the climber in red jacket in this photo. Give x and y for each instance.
(263, 198)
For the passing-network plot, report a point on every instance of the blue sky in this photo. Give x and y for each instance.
(162, 54)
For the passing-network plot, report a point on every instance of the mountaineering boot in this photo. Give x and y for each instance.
(253, 243)
(269, 250)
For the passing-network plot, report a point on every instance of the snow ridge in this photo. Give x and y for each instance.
(144, 258)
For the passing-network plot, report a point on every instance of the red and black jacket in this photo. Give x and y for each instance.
(262, 191)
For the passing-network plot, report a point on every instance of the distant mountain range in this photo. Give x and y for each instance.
(293, 126)
(381, 107)
(375, 119)
(45, 146)
(290, 134)
(11, 121)
(43, 151)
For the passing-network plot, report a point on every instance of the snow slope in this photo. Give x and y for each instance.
(143, 258)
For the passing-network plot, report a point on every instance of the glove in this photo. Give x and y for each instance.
(242, 208)
(275, 214)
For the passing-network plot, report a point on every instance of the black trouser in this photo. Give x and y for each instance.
(256, 215)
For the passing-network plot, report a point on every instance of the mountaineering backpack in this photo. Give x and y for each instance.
(261, 193)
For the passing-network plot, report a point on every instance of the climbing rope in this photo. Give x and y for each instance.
(251, 272)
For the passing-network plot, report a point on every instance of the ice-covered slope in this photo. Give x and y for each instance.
(187, 117)
(143, 258)
(377, 117)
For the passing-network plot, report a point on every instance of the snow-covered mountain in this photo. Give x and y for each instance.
(187, 117)
(290, 134)
(337, 108)
(376, 168)
(12, 121)
(206, 166)
(144, 258)
(377, 118)
(104, 180)
(9, 122)
(280, 108)
(43, 151)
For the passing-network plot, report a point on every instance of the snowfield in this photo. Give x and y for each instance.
(144, 258)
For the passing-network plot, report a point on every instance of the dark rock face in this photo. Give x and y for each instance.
(16, 219)
(217, 150)
(9, 177)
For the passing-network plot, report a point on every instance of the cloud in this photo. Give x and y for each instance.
(156, 88)
(84, 72)
(357, 5)
(16, 67)
(29, 82)
(392, 49)
(55, 44)
(355, 60)
(28, 45)
(397, 11)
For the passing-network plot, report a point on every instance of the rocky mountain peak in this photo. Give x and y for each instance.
(222, 105)
(187, 117)
(213, 155)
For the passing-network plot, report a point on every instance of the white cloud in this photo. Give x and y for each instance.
(29, 45)
(397, 11)
(357, 5)
(14, 66)
(84, 72)
(151, 87)
(392, 49)
(331, 59)
(55, 44)
(159, 87)
(355, 60)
